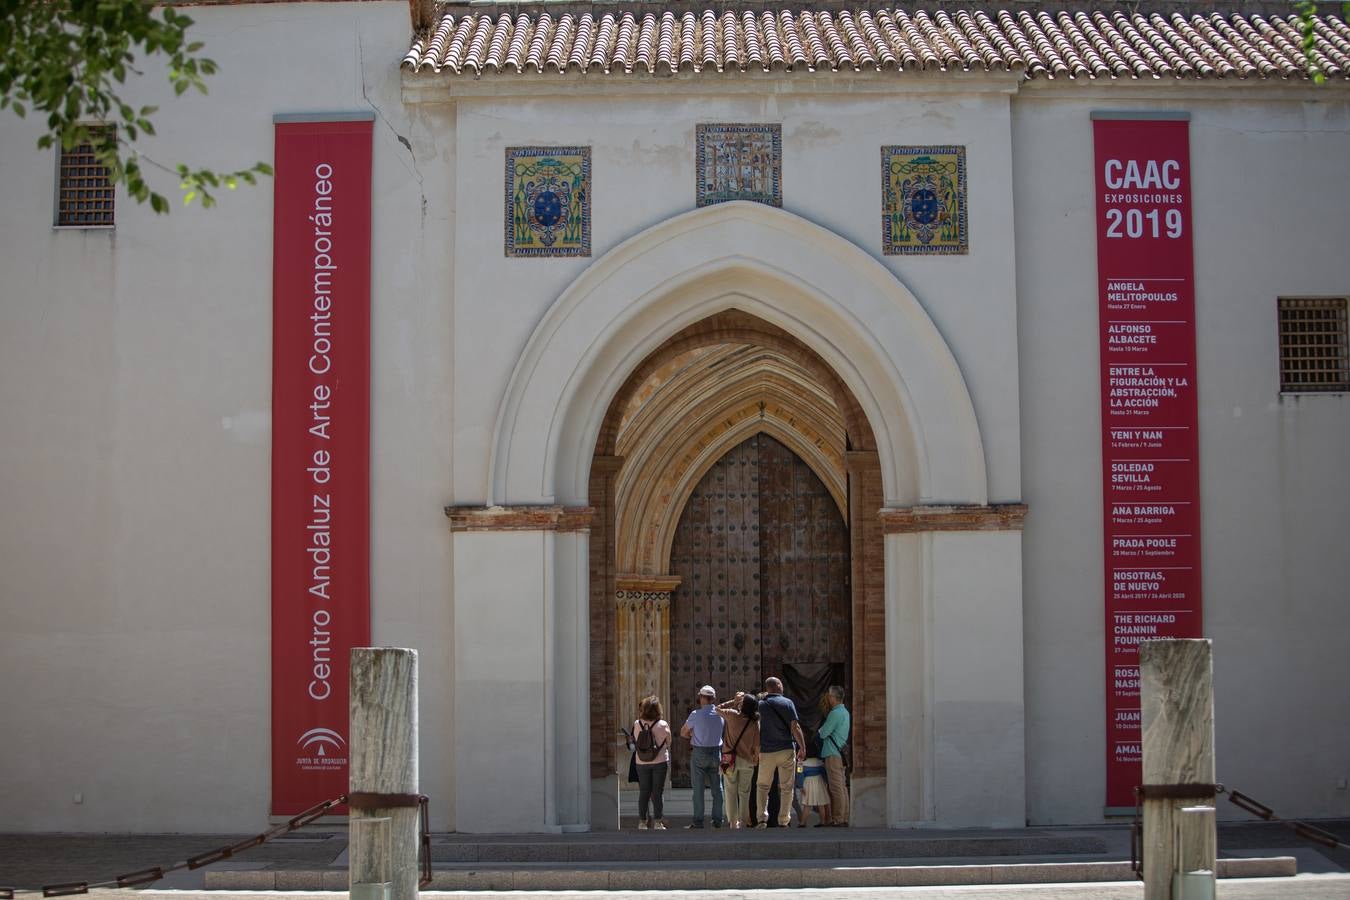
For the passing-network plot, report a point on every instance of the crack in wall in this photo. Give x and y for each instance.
(402, 139)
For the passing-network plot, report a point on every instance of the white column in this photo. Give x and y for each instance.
(503, 744)
(909, 732)
(955, 700)
(572, 687)
(978, 707)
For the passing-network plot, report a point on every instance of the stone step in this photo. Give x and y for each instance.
(769, 844)
(735, 875)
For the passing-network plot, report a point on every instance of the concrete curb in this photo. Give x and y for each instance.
(716, 849)
(647, 877)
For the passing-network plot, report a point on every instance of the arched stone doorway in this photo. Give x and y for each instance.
(709, 389)
(948, 563)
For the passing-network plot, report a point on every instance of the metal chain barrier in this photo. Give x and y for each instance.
(155, 873)
(1208, 792)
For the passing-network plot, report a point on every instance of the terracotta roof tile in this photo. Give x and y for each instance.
(1089, 43)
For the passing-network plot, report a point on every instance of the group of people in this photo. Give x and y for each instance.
(750, 738)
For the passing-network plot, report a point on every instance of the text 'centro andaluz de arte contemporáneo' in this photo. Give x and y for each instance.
(320, 450)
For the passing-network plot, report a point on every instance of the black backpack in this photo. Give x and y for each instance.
(647, 748)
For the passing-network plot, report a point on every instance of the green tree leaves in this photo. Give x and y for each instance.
(67, 60)
(1307, 29)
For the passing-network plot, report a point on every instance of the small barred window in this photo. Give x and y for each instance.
(1313, 347)
(84, 193)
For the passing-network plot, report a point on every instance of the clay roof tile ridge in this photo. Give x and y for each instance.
(1110, 57)
(1038, 40)
(979, 43)
(795, 55)
(773, 44)
(688, 41)
(501, 33)
(1289, 59)
(754, 46)
(560, 43)
(731, 41)
(1083, 46)
(851, 35)
(881, 48)
(538, 47)
(459, 42)
(646, 44)
(1228, 43)
(928, 59)
(1012, 57)
(625, 44)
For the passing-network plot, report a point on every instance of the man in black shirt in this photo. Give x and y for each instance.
(781, 746)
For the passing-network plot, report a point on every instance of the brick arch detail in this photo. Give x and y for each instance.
(687, 424)
(736, 327)
(652, 533)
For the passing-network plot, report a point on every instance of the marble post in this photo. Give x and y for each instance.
(384, 761)
(1177, 719)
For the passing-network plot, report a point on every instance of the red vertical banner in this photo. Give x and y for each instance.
(1150, 441)
(320, 448)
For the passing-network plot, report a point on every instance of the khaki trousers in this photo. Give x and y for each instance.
(839, 800)
(785, 762)
(737, 783)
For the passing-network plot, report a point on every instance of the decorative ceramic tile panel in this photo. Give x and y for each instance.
(923, 206)
(740, 162)
(548, 201)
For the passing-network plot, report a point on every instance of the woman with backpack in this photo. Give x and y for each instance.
(651, 746)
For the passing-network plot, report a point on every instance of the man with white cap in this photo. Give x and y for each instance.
(704, 729)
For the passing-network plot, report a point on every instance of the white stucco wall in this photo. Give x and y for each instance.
(135, 395)
(135, 390)
(1269, 193)
(641, 137)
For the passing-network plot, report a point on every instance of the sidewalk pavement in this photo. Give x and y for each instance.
(33, 860)
(1304, 887)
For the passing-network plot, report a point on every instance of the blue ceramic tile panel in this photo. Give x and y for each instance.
(923, 207)
(548, 201)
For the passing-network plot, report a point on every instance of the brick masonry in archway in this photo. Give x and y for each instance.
(865, 577)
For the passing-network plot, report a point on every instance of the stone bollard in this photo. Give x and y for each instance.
(382, 782)
(1177, 721)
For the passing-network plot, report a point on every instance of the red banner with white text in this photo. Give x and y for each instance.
(320, 449)
(1150, 441)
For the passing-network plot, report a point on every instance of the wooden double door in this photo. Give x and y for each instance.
(762, 550)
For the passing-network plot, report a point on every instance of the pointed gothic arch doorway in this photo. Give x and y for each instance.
(935, 616)
(730, 543)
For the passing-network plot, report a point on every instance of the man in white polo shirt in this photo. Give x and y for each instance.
(704, 730)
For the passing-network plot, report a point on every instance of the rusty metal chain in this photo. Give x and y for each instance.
(367, 800)
(1208, 792)
(1302, 829)
(155, 873)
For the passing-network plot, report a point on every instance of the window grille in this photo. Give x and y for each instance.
(1313, 348)
(84, 193)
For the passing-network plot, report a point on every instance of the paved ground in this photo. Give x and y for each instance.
(1304, 887)
(32, 860)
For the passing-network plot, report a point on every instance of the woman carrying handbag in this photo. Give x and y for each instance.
(740, 755)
